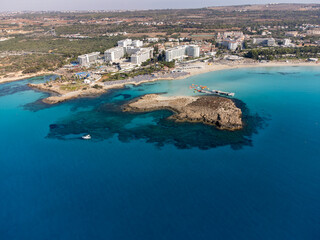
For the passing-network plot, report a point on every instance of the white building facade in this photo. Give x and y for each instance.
(180, 52)
(124, 43)
(87, 59)
(114, 54)
(141, 56)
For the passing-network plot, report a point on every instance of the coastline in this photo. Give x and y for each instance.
(201, 68)
(20, 76)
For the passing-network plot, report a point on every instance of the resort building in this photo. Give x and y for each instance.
(132, 50)
(269, 42)
(231, 44)
(152, 40)
(193, 51)
(87, 59)
(114, 54)
(141, 56)
(233, 34)
(182, 51)
(124, 43)
(288, 43)
(137, 43)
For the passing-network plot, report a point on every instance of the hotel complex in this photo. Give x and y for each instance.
(138, 54)
(180, 52)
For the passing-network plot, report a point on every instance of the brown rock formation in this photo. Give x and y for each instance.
(218, 111)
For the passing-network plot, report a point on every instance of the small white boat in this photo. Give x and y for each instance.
(86, 137)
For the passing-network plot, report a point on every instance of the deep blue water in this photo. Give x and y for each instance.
(144, 177)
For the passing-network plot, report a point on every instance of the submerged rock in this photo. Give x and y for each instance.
(218, 111)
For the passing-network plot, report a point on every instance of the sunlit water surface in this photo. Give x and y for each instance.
(144, 177)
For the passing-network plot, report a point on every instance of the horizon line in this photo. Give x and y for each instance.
(150, 9)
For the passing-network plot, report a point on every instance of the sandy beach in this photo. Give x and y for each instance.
(191, 70)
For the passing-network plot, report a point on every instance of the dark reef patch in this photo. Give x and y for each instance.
(37, 105)
(288, 73)
(260, 73)
(9, 89)
(106, 120)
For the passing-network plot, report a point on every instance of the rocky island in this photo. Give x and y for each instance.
(218, 111)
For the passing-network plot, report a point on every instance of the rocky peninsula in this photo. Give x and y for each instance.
(60, 94)
(218, 111)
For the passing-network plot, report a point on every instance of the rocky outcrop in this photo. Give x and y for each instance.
(58, 95)
(218, 111)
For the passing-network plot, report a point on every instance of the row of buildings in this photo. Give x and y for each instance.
(132, 48)
(139, 54)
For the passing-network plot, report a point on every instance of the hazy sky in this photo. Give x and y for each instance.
(18, 5)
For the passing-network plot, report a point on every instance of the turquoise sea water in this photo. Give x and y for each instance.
(144, 177)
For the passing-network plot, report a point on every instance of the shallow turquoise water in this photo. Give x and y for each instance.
(143, 177)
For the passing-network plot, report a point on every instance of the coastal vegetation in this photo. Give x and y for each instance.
(280, 53)
(30, 63)
(136, 72)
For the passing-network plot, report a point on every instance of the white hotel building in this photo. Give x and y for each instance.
(141, 56)
(87, 59)
(125, 43)
(180, 52)
(114, 54)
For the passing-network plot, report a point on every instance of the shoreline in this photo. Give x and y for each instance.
(20, 76)
(199, 68)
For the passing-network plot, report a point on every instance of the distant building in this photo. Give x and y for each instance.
(292, 34)
(175, 53)
(288, 43)
(270, 42)
(233, 34)
(141, 56)
(315, 31)
(124, 43)
(193, 51)
(153, 40)
(126, 46)
(87, 59)
(137, 43)
(132, 50)
(180, 52)
(231, 44)
(114, 54)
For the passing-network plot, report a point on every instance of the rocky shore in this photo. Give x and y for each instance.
(58, 95)
(218, 111)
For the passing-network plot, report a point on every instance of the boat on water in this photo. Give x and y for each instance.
(86, 137)
(206, 90)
